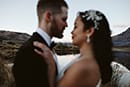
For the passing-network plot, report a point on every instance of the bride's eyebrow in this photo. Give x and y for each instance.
(74, 23)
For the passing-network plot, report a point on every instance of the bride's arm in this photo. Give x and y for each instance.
(48, 57)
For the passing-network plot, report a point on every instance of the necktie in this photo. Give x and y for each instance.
(53, 44)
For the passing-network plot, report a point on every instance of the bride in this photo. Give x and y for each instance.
(92, 67)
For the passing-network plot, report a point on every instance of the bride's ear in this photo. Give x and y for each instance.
(90, 31)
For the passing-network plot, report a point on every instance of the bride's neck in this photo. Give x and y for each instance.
(86, 49)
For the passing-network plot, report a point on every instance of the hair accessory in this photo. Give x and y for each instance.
(94, 16)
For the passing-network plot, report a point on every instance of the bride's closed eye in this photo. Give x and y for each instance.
(75, 27)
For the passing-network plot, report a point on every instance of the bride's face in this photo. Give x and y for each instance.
(78, 34)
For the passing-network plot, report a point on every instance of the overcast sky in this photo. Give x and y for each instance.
(20, 15)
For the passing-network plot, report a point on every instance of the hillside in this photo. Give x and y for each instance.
(9, 44)
(14, 36)
(121, 48)
(122, 39)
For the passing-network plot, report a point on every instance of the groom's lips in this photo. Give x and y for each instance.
(63, 30)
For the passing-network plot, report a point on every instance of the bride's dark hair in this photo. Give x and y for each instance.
(101, 41)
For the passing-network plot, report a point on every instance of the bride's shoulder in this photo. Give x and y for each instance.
(81, 66)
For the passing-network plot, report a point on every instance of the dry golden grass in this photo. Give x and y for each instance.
(6, 77)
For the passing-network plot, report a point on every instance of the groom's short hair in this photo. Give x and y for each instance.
(53, 5)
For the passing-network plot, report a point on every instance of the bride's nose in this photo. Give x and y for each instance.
(72, 31)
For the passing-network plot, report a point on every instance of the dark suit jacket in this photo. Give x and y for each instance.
(30, 69)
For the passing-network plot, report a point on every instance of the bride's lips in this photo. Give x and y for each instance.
(72, 37)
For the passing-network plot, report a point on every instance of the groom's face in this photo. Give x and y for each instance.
(59, 23)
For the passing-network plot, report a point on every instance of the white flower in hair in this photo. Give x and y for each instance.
(95, 17)
(92, 15)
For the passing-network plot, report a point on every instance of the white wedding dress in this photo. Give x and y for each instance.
(120, 77)
(63, 67)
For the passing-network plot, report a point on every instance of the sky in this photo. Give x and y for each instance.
(20, 15)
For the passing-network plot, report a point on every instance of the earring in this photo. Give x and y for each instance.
(88, 38)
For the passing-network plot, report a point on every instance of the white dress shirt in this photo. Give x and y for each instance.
(47, 38)
(44, 35)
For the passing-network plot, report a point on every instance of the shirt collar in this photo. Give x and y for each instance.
(44, 35)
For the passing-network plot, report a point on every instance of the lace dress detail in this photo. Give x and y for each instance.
(120, 76)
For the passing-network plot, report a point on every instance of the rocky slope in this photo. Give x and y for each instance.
(122, 39)
(121, 44)
(10, 42)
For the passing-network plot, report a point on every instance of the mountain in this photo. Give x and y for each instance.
(121, 45)
(14, 36)
(122, 39)
(10, 43)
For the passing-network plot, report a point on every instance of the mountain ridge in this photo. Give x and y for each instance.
(122, 39)
(10, 35)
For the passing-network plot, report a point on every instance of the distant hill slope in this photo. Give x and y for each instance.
(122, 39)
(9, 44)
(122, 43)
(8, 35)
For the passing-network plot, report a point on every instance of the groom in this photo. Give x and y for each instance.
(30, 69)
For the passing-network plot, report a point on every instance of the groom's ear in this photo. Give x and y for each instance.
(48, 16)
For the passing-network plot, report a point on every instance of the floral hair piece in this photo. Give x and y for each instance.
(94, 16)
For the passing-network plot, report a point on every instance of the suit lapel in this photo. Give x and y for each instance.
(40, 39)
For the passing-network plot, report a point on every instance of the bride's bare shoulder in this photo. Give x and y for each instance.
(79, 74)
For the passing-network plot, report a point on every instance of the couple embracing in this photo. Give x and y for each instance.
(35, 63)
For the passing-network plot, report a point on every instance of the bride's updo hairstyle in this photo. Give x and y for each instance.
(101, 41)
